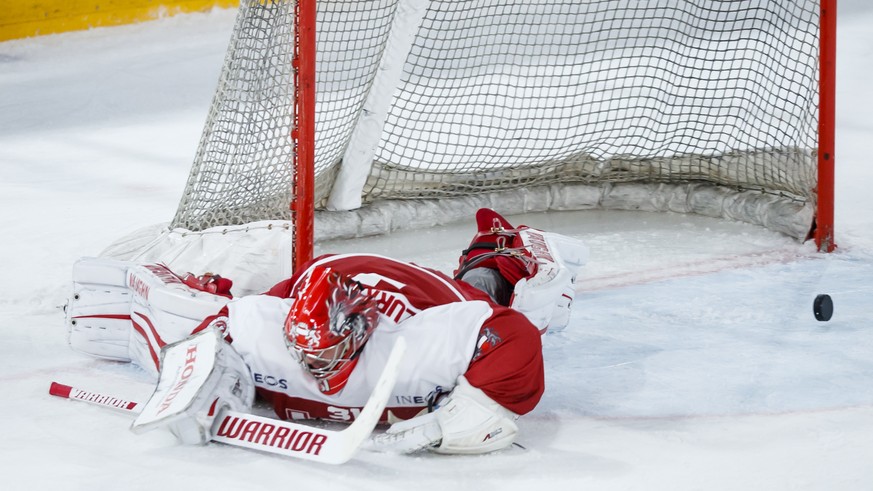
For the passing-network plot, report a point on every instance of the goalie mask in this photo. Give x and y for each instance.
(330, 320)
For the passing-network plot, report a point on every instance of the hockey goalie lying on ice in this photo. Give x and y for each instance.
(313, 345)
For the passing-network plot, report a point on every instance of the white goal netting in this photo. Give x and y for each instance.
(519, 104)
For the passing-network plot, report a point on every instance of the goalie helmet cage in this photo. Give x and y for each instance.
(722, 108)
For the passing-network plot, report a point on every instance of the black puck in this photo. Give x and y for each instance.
(823, 307)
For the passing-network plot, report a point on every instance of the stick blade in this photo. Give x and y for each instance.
(308, 442)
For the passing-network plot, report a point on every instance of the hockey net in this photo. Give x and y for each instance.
(697, 106)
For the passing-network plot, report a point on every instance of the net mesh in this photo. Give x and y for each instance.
(500, 94)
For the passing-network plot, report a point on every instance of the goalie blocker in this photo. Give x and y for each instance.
(200, 377)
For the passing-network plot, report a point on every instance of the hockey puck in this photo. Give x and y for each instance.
(823, 307)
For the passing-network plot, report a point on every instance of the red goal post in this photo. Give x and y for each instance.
(824, 218)
(423, 110)
(303, 198)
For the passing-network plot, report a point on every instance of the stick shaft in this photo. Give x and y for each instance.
(69, 392)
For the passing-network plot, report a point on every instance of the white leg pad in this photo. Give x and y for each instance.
(163, 311)
(98, 311)
(125, 311)
(546, 298)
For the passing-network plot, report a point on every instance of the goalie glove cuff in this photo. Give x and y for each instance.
(408, 436)
(473, 423)
(467, 422)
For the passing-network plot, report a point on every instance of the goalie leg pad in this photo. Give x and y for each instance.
(546, 297)
(98, 311)
(561, 314)
(542, 297)
(164, 310)
(569, 252)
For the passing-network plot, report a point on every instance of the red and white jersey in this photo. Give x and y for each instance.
(449, 328)
(441, 342)
(403, 289)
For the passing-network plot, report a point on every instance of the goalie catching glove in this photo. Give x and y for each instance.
(466, 422)
(200, 376)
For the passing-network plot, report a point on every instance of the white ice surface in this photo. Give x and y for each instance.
(693, 360)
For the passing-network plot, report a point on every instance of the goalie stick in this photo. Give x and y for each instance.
(276, 436)
(69, 392)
